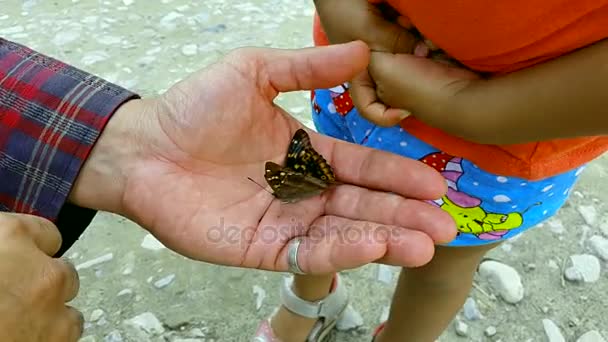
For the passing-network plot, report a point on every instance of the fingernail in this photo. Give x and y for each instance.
(404, 114)
(421, 50)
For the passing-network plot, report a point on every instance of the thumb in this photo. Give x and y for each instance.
(42, 232)
(365, 99)
(312, 68)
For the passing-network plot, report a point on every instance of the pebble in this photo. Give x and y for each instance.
(471, 312)
(128, 2)
(504, 279)
(588, 213)
(591, 336)
(351, 319)
(96, 315)
(150, 242)
(556, 226)
(385, 274)
(95, 262)
(163, 282)
(260, 295)
(599, 244)
(585, 267)
(113, 336)
(462, 329)
(552, 264)
(94, 57)
(124, 292)
(490, 331)
(552, 331)
(89, 338)
(146, 322)
(65, 36)
(189, 49)
(604, 227)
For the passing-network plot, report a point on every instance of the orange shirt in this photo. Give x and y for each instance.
(501, 37)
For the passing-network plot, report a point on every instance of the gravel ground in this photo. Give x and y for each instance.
(135, 290)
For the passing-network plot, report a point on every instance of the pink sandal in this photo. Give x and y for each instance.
(377, 331)
(327, 311)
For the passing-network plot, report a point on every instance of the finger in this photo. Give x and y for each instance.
(365, 99)
(389, 36)
(334, 244)
(74, 323)
(385, 171)
(68, 279)
(313, 68)
(41, 231)
(390, 209)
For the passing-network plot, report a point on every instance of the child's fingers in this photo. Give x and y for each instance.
(405, 22)
(363, 93)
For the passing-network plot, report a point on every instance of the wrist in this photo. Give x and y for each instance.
(101, 181)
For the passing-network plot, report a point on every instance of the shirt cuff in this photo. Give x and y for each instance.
(51, 115)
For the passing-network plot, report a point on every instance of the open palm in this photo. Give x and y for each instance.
(218, 127)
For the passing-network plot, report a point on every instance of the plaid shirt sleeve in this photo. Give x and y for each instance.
(51, 115)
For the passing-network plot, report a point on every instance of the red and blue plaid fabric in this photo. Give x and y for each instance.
(51, 115)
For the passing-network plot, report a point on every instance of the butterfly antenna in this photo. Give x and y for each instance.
(263, 188)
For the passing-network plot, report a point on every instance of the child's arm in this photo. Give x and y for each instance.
(563, 98)
(347, 20)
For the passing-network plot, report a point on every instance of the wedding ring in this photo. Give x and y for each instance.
(292, 256)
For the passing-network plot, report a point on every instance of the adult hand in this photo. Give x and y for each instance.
(34, 287)
(178, 165)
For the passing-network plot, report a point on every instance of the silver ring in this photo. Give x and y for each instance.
(292, 256)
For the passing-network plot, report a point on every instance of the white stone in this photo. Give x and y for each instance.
(462, 329)
(599, 244)
(490, 331)
(95, 262)
(163, 282)
(128, 2)
(65, 37)
(151, 243)
(96, 315)
(588, 266)
(556, 226)
(591, 336)
(94, 57)
(552, 331)
(385, 274)
(189, 49)
(504, 279)
(146, 322)
(351, 319)
(89, 338)
(470, 310)
(260, 295)
(124, 292)
(113, 336)
(588, 213)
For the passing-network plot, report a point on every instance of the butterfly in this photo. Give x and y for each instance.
(305, 174)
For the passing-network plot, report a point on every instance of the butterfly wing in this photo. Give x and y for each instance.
(302, 158)
(291, 186)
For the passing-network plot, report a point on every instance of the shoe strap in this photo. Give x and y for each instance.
(329, 307)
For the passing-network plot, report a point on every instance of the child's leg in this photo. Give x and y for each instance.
(427, 298)
(288, 326)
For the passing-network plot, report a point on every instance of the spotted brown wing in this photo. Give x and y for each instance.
(291, 186)
(302, 158)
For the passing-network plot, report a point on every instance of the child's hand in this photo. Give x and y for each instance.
(347, 20)
(400, 84)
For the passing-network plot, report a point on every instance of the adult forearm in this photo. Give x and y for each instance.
(51, 117)
(562, 98)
